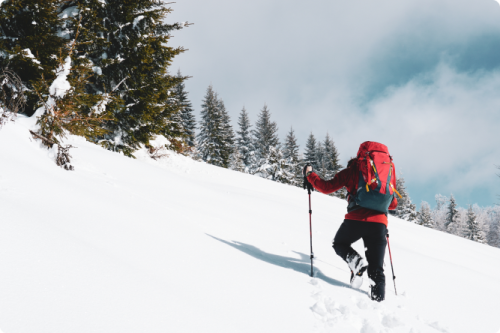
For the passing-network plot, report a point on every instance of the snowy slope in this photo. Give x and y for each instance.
(123, 245)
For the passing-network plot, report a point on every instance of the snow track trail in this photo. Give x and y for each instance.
(126, 246)
(357, 313)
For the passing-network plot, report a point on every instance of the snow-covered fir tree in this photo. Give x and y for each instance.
(424, 216)
(310, 155)
(450, 218)
(227, 130)
(276, 167)
(291, 154)
(291, 148)
(320, 160)
(244, 142)
(216, 138)
(473, 230)
(452, 221)
(44, 53)
(265, 136)
(186, 114)
(332, 164)
(441, 201)
(236, 162)
(31, 43)
(439, 212)
(406, 210)
(493, 235)
(68, 107)
(330, 158)
(493, 228)
(12, 98)
(131, 56)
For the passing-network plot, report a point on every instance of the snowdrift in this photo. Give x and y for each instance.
(124, 245)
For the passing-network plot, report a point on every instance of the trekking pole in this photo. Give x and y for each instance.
(392, 267)
(309, 188)
(310, 229)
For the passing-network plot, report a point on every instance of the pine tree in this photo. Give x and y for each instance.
(209, 138)
(236, 162)
(31, 45)
(310, 155)
(65, 105)
(406, 210)
(227, 133)
(320, 160)
(124, 42)
(291, 154)
(12, 98)
(56, 83)
(452, 223)
(276, 167)
(493, 233)
(40, 41)
(440, 201)
(473, 231)
(216, 139)
(331, 158)
(439, 212)
(424, 216)
(131, 59)
(187, 118)
(265, 135)
(244, 142)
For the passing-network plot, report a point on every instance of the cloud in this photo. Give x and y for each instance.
(441, 127)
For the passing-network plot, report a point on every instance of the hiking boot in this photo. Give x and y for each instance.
(357, 279)
(377, 292)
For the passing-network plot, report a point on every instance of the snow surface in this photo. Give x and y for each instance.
(124, 245)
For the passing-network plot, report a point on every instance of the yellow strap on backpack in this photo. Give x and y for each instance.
(368, 185)
(396, 191)
(373, 164)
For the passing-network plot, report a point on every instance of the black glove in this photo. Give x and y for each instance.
(306, 184)
(305, 168)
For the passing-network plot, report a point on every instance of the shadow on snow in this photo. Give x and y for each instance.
(299, 265)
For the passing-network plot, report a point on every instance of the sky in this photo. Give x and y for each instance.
(420, 76)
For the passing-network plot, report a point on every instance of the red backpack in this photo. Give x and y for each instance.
(377, 178)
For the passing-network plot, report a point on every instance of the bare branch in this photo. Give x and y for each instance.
(63, 158)
(41, 137)
(116, 87)
(12, 99)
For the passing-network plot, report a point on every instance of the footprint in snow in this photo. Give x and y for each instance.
(438, 327)
(391, 321)
(368, 328)
(331, 313)
(363, 304)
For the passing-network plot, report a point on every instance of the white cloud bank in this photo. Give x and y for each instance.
(443, 128)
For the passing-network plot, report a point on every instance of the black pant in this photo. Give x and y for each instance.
(374, 238)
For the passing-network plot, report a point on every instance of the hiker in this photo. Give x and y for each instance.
(370, 197)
